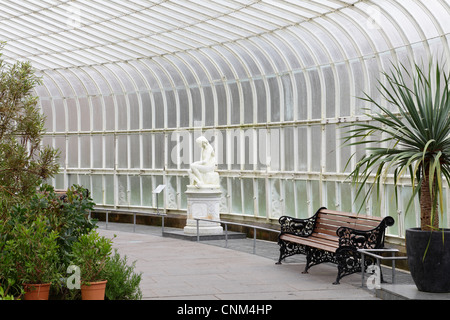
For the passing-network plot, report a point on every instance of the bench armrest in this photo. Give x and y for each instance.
(359, 239)
(364, 239)
(299, 227)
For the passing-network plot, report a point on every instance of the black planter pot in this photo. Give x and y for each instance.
(431, 273)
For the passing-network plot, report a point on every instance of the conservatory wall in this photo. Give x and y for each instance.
(272, 103)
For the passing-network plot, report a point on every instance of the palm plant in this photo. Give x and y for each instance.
(414, 137)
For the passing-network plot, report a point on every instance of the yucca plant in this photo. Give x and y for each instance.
(412, 135)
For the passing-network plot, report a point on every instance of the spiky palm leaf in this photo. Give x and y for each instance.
(416, 135)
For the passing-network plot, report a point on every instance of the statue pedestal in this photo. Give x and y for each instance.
(203, 203)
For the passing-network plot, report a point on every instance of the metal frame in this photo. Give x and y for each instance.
(134, 213)
(374, 254)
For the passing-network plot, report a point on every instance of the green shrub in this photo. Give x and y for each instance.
(123, 282)
(91, 252)
(32, 253)
(4, 294)
(68, 216)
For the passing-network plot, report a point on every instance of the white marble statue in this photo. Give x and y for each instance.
(202, 173)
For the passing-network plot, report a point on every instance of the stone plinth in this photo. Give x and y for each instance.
(203, 203)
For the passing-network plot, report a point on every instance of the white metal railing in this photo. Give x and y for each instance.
(134, 213)
(162, 215)
(226, 223)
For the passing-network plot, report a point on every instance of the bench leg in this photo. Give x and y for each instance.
(316, 256)
(348, 261)
(308, 262)
(288, 249)
(280, 258)
(282, 251)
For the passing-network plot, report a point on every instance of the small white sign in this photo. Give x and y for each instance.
(159, 188)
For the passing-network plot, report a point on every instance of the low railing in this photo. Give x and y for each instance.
(134, 213)
(162, 215)
(226, 223)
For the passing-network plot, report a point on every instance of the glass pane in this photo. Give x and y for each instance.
(159, 151)
(85, 151)
(289, 197)
(261, 185)
(147, 191)
(274, 92)
(261, 100)
(249, 197)
(171, 192)
(146, 110)
(147, 151)
(85, 114)
(122, 151)
(110, 118)
(97, 189)
(73, 151)
(135, 190)
(134, 151)
(97, 149)
(72, 112)
(110, 154)
(209, 106)
(288, 98)
(236, 195)
(316, 148)
(109, 189)
(276, 202)
(331, 145)
(122, 112)
(247, 93)
(222, 104)
(288, 154)
(331, 195)
(122, 190)
(134, 111)
(97, 113)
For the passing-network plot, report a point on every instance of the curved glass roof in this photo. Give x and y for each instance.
(60, 34)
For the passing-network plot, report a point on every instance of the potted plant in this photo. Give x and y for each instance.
(412, 136)
(33, 253)
(91, 252)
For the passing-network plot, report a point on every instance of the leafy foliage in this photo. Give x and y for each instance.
(415, 131)
(91, 252)
(123, 282)
(68, 216)
(24, 163)
(32, 253)
(40, 232)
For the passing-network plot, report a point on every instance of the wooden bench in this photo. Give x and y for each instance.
(332, 236)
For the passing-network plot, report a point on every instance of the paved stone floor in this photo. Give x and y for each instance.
(175, 269)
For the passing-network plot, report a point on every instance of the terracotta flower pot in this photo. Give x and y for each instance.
(37, 291)
(93, 290)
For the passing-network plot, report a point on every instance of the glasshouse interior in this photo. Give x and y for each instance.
(289, 94)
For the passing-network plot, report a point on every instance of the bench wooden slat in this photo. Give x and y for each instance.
(325, 230)
(349, 220)
(325, 223)
(313, 242)
(327, 236)
(348, 214)
(330, 229)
